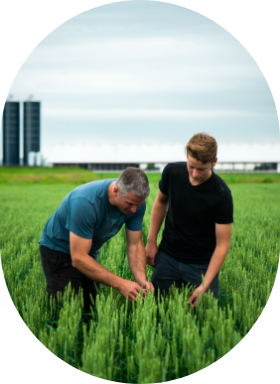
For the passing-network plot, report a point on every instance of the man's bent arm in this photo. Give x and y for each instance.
(158, 214)
(79, 249)
(223, 234)
(137, 257)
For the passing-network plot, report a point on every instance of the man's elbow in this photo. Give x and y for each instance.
(135, 249)
(75, 260)
(223, 248)
(132, 249)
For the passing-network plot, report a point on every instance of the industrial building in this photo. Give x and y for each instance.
(231, 157)
(11, 133)
(31, 128)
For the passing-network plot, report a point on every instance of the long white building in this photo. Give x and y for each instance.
(116, 157)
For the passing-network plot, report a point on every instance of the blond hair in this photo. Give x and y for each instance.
(202, 147)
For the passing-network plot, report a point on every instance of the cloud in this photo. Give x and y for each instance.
(124, 113)
(141, 65)
(132, 61)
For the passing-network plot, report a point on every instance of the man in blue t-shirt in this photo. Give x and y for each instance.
(88, 217)
(198, 211)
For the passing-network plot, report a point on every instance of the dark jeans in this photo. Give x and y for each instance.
(58, 270)
(168, 271)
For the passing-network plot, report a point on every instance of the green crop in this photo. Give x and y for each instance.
(150, 341)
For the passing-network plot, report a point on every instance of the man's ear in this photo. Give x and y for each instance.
(115, 190)
(215, 162)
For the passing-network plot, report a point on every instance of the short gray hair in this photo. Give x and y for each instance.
(133, 180)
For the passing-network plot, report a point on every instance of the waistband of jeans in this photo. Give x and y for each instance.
(54, 251)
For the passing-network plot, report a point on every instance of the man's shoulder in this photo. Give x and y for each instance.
(220, 185)
(175, 168)
(94, 185)
(172, 174)
(92, 190)
(176, 165)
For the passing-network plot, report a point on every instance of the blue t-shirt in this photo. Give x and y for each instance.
(86, 211)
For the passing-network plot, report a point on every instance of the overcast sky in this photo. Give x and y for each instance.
(145, 72)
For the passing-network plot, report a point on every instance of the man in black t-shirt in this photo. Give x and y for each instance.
(198, 207)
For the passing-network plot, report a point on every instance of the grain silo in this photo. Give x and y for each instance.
(31, 128)
(11, 139)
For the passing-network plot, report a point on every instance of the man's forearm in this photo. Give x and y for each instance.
(215, 265)
(158, 214)
(95, 271)
(137, 262)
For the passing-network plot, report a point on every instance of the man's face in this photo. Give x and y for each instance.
(128, 203)
(198, 171)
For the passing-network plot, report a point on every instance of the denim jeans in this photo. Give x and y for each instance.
(58, 270)
(168, 271)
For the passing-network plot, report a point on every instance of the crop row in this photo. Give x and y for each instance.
(151, 341)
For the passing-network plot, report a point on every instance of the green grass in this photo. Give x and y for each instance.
(46, 175)
(122, 342)
(57, 175)
(75, 175)
(250, 178)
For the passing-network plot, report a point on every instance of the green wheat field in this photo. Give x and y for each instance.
(143, 342)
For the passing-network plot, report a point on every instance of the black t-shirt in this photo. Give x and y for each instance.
(189, 233)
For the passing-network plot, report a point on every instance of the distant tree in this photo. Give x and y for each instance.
(151, 167)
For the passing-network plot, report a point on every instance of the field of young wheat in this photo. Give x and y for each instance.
(150, 341)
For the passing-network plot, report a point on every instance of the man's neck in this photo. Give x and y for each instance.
(110, 194)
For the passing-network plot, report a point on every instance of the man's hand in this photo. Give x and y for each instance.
(129, 289)
(196, 295)
(146, 287)
(151, 251)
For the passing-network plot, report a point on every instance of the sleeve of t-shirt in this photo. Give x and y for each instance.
(224, 211)
(81, 217)
(135, 223)
(164, 181)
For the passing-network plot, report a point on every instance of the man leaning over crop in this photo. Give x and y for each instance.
(198, 208)
(88, 217)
